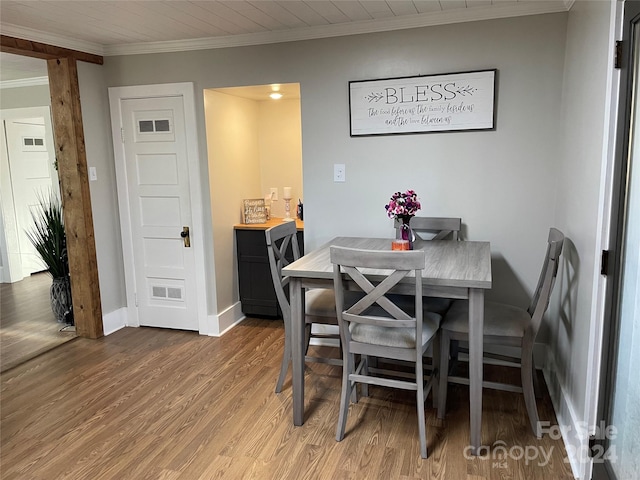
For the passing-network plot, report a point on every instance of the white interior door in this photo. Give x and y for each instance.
(158, 191)
(32, 174)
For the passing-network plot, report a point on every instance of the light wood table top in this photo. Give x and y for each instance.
(452, 264)
(268, 224)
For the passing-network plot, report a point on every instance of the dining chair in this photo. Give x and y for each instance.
(375, 326)
(434, 228)
(439, 228)
(320, 307)
(505, 325)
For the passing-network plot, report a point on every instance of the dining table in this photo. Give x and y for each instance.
(453, 269)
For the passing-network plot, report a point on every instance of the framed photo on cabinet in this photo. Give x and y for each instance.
(253, 211)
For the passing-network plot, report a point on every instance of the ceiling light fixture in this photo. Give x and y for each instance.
(275, 95)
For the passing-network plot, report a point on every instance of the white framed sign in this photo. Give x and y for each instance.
(253, 211)
(422, 104)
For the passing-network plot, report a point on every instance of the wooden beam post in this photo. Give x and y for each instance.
(27, 48)
(74, 187)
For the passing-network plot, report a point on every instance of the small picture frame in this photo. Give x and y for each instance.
(254, 211)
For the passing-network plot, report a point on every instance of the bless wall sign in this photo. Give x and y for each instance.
(430, 103)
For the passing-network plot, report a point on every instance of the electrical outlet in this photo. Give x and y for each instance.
(339, 172)
(274, 193)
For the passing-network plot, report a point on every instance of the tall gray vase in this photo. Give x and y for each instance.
(60, 297)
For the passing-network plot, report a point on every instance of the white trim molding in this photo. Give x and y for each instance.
(50, 38)
(24, 82)
(515, 9)
(445, 17)
(114, 321)
(226, 320)
(572, 428)
(185, 90)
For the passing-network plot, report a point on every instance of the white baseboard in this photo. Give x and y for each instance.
(573, 429)
(114, 321)
(226, 320)
(10, 275)
(220, 324)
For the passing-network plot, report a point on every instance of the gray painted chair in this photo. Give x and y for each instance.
(505, 325)
(439, 228)
(375, 326)
(434, 228)
(320, 304)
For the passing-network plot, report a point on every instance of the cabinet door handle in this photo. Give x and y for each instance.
(185, 236)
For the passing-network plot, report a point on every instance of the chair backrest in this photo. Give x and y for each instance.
(439, 227)
(278, 239)
(395, 266)
(546, 282)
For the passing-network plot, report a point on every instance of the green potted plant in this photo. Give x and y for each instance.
(48, 237)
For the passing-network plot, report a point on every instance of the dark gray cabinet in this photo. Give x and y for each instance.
(257, 295)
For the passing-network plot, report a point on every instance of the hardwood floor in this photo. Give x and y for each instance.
(158, 404)
(27, 324)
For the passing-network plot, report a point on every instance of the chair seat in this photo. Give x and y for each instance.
(499, 319)
(429, 304)
(321, 302)
(436, 305)
(395, 337)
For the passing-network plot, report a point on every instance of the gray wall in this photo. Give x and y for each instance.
(94, 101)
(23, 97)
(574, 315)
(541, 167)
(501, 183)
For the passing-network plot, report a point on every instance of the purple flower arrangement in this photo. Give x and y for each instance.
(403, 204)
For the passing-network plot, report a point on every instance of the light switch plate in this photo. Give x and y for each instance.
(93, 175)
(274, 193)
(339, 172)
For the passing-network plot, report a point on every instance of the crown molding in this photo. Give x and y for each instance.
(24, 82)
(337, 30)
(51, 39)
(471, 14)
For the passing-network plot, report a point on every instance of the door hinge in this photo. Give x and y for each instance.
(604, 263)
(617, 63)
(135, 295)
(122, 134)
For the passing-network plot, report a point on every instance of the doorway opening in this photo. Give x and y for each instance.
(28, 324)
(254, 144)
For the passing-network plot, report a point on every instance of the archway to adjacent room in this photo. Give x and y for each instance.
(72, 169)
(254, 145)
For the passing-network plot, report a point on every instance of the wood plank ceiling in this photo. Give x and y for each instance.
(104, 26)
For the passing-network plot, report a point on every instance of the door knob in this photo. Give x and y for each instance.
(185, 236)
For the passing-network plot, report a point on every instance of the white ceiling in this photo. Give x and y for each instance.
(118, 27)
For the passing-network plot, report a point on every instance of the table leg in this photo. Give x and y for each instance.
(297, 348)
(476, 322)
